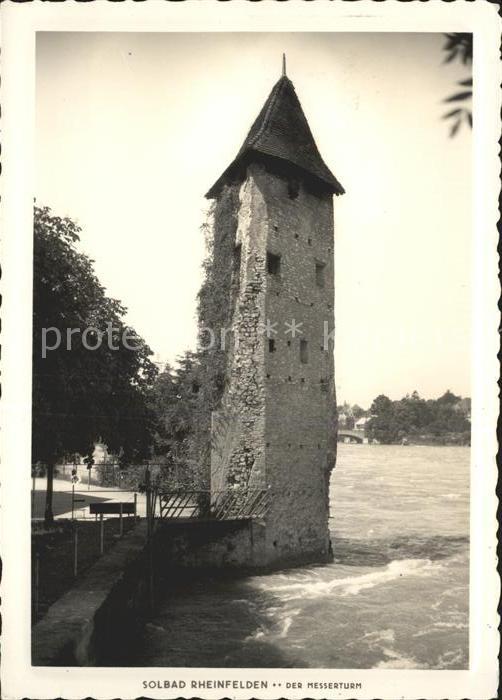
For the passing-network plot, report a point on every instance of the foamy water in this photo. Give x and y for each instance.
(352, 585)
(396, 595)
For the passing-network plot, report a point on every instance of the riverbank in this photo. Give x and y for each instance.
(53, 557)
(396, 595)
(428, 442)
(97, 621)
(448, 440)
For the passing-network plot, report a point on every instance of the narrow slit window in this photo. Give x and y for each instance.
(271, 345)
(304, 352)
(273, 264)
(320, 269)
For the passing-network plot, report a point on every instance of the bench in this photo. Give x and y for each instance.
(113, 508)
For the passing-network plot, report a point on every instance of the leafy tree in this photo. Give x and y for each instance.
(412, 414)
(459, 47)
(358, 412)
(382, 425)
(446, 418)
(163, 396)
(349, 422)
(391, 421)
(174, 401)
(448, 399)
(382, 405)
(81, 395)
(345, 417)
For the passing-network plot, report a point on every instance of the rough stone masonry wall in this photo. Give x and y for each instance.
(300, 396)
(276, 426)
(238, 427)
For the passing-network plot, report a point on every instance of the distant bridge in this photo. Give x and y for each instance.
(345, 435)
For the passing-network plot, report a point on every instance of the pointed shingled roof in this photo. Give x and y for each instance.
(281, 131)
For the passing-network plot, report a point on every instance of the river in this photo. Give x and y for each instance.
(396, 595)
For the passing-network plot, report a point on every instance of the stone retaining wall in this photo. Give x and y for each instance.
(93, 623)
(218, 544)
(97, 622)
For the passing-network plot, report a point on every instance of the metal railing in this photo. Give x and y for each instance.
(238, 504)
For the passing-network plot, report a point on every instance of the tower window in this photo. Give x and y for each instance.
(320, 274)
(273, 264)
(271, 345)
(304, 352)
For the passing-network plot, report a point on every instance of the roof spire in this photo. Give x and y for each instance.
(280, 137)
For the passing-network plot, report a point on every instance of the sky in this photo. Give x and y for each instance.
(133, 128)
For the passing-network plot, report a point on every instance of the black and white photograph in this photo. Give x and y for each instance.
(255, 362)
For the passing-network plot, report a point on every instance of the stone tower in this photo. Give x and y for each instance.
(275, 428)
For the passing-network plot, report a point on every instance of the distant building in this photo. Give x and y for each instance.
(342, 419)
(360, 424)
(464, 407)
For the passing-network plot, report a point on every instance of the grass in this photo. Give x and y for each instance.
(54, 551)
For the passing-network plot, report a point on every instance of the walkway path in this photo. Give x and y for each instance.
(62, 498)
